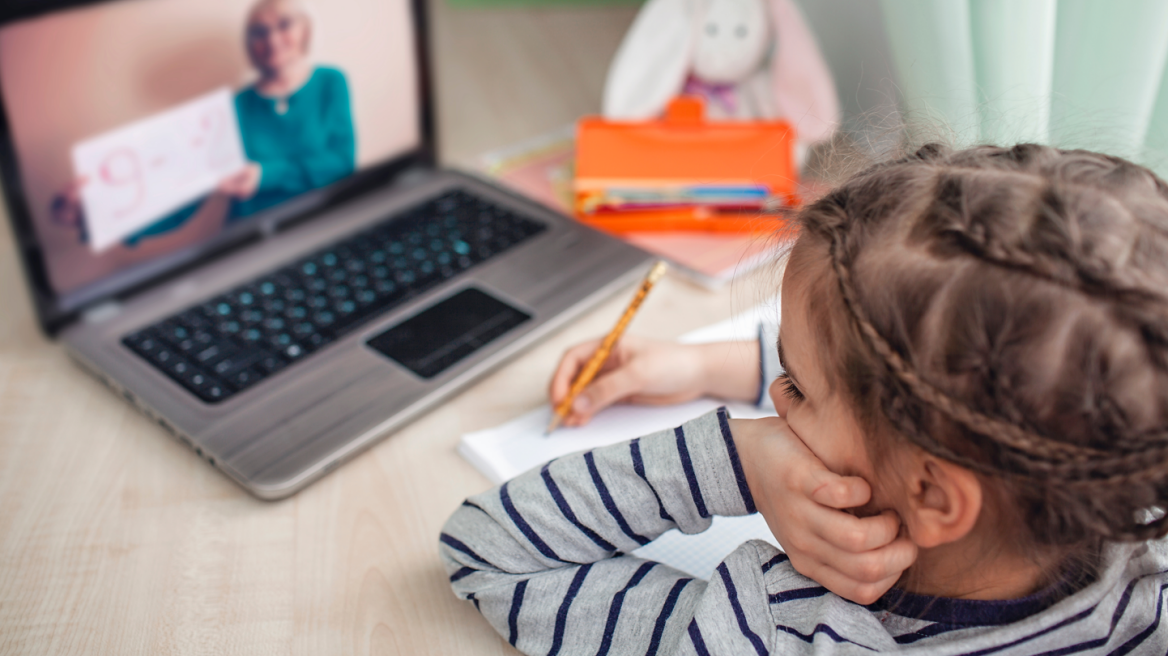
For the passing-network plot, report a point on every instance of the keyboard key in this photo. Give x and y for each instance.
(144, 343)
(180, 368)
(315, 341)
(212, 392)
(163, 357)
(228, 366)
(245, 378)
(270, 364)
(203, 338)
(214, 353)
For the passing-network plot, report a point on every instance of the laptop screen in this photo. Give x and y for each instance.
(145, 131)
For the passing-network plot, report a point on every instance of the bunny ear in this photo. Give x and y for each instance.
(650, 66)
(803, 87)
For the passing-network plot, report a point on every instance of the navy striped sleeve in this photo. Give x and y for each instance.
(1137, 640)
(695, 636)
(639, 468)
(462, 573)
(523, 526)
(664, 615)
(568, 513)
(513, 616)
(457, 545)
(739, 615)
(819, 629)
(609, 503)
(565, 606)
(735, 463)
(777, 560)
(691, 477)
(617, 602)
(797, 593)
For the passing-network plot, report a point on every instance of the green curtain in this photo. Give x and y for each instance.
(1071, 73)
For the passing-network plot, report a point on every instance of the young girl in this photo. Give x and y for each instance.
(980, 335)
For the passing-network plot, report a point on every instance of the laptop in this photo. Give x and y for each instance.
(229, 212)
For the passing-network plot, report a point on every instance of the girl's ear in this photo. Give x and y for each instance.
(944, 502)
(802, 83)
(651, 65)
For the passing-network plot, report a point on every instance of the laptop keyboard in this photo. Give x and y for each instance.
(227, 344)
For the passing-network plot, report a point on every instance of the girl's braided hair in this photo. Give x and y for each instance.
(1008, 311)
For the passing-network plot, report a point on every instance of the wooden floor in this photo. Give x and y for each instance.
(114, 539)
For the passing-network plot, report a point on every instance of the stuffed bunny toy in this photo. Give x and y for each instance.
(749, 59)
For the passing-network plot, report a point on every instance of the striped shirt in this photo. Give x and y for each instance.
(543, 559)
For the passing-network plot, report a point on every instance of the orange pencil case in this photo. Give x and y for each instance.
(682, 150)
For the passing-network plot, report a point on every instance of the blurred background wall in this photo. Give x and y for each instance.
(527, 47)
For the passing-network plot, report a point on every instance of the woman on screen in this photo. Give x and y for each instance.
(295, 122)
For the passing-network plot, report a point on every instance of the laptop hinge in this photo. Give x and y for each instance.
(103, 311)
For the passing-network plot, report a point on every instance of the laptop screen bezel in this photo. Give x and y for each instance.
(55, 310)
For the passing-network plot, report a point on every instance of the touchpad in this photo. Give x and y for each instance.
(448, 331)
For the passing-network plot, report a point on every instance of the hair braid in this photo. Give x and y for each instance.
(1071, 465)
(1087, 236)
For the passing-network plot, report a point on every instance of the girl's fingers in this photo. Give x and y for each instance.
(877, 565)
(861, 592)
(870, 567)
(850, 533)
(570, 364)
(835, 491)
(605, 390)
(810, 478)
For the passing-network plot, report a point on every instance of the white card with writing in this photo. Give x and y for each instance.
(138, 173)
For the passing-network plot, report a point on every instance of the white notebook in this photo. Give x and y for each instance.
(505, 451)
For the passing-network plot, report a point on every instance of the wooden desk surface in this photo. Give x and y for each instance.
(115, 539)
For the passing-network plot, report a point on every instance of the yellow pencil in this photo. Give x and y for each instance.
(602, 352)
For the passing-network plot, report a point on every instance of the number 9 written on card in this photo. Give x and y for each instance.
(141, 171)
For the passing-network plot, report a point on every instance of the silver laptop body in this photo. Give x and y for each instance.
(279, 435)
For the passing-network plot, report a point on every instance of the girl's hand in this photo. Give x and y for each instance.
(637, 371)
(858, 558)
(651, 372)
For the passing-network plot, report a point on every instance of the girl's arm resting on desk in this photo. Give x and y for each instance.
(541, 556)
